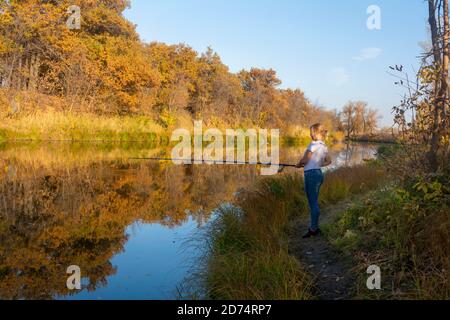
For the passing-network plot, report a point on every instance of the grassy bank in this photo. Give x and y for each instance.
(248, 255)
(375, 138)
(54, 126)
(68, 126)
(301, 137)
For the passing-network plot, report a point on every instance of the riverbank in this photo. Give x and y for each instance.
(58, 126)
(255, 250)
(404, 230)
(248, 253)
(87, 127)
(380, 138)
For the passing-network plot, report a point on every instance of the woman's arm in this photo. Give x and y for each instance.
(305, 159)
(327, 161)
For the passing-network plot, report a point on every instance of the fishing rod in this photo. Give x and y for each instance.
(282, 165)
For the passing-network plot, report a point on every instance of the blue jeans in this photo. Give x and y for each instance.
(313, 182)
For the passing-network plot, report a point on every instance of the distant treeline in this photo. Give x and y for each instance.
(376, 138)
(104, 68)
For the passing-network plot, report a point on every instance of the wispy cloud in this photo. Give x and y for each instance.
(368, 54)
(339, 76)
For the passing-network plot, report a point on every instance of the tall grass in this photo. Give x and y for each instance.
(297, 136)
(248, 254)
(51, 125)
(80, 127)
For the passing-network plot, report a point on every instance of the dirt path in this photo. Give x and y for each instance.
(333, 279)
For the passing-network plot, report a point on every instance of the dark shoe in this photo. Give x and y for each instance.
(311, 234)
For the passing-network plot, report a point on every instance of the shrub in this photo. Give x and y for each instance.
(406, 232)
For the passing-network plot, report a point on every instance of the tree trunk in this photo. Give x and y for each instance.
(445, 62)
(441, 59)
(434, 31)
(19, 75)
(33, 72)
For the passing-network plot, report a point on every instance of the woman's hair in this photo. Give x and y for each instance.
(319, 129)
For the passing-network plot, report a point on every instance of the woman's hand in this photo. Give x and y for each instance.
(300, 165)
(327, 161)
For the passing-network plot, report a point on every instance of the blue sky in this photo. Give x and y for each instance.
(320, 46)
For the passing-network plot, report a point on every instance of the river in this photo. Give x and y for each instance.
(124, 223)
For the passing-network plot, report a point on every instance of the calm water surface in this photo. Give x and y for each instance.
(125, 223)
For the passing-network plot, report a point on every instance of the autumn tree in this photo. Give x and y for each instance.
(423, 115)
(40, 53)
(372, 118)
(260, 91)
(177, 66)
(441, 54)
(218, 92)
(104, 67)
(348, 119)
(356, 118)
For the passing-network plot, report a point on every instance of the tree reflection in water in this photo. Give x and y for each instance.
(63, 206)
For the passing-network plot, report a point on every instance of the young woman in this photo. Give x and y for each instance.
(316, 157)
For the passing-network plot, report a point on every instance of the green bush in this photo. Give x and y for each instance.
(406, 232)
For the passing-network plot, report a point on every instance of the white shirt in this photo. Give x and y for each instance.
(319, 152)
